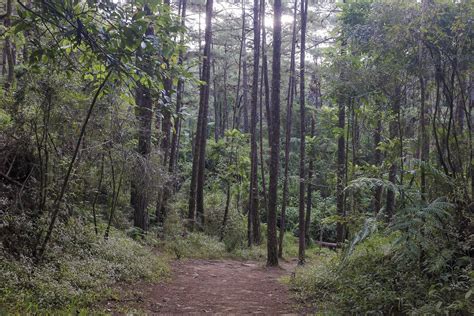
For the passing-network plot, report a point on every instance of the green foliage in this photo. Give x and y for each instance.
(197, 245)
(80, 269)
(5, 119)
(419, 265)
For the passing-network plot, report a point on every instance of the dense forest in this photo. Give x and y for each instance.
(332, 138)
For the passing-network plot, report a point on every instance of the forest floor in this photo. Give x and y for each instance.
(211, 286)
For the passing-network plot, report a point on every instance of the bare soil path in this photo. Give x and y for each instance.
(214, 286)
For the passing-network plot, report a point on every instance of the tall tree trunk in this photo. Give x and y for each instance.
(341, 166)
(226, 211)
(341, 155)
(272, 249)
(301, 213)
(264, 83)
(392, 173)
(289, 110)
(96, 196)
(309, 202)
(377, 162)
(225, 115)
(424, 110)
(139, 192)
(166, 112)
(168, 138)
(236, 110)
(139, 186)
(201, 133)
(245, 78)
(470, 123)
(179, 98)
(115, 194)
(9, 51)
(253, 194)
(216, 103)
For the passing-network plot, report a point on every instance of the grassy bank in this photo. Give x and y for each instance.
(78, 271)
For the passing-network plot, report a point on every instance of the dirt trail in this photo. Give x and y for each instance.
(214, 286)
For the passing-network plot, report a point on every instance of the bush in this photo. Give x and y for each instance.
(196, 245)
(79, 269)
(372, 280)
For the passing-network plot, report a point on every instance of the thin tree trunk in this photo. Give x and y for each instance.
(435, 130)
(377, 161)
(309, 202)
(8, 49)
(245, 78)
(226, 211)
(301, 213)
(262, 84)
(225, 115)
(265, 73)
(236, 110)
(215, 103)
(115, 194)
(392, 174)
(166, 112)
(179, 98)
(96, 196)
(424, 137)
(340, 172)
(289, 110)
(341, 163)
(57, 203)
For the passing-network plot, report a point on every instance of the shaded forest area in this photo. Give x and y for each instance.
(136, 132)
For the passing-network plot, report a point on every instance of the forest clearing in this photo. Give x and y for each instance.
(237, 157)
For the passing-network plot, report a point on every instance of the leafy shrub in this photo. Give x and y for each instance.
(398, 270)
(80, 268)
(197, 245)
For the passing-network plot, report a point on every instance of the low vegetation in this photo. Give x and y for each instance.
(80, 270)
(420, 266)
(133, 133)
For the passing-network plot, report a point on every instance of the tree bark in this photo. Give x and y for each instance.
(289, 112)
(201, 132)
(377, 162)
(301, 213)
(309, 201)
(392, 173)
(424, 110)
(254, 236)
(263, 83)
(179, 98)
(96, 196)
(341, 166)
(272, 250)
(8, 48)
(341, 155)
(245, 78)
(236, 110)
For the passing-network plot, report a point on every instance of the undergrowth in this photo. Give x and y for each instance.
(200, 245)
(373, 279)
(79, 270)
(207, 244)
(211, 241)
